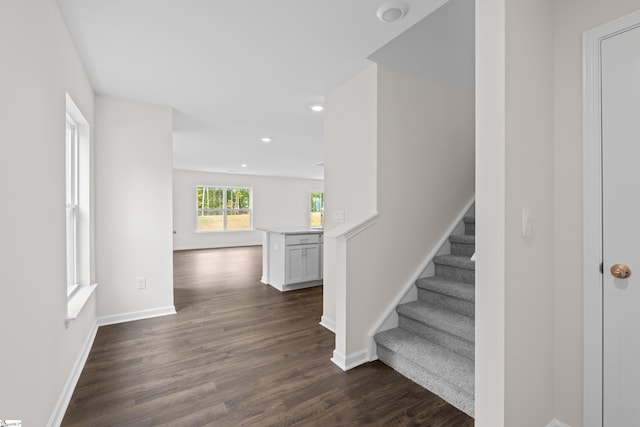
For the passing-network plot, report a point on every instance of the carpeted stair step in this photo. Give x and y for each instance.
(470, 224)
(455, 267)
(451, 330)
(434, 343)
(435, 368)
(440, 318)
(456, 296)
(462, 244)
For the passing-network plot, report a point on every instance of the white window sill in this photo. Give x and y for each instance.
(78, 301)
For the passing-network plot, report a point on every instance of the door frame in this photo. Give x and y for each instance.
(592, 213)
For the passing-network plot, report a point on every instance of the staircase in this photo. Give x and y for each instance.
(434, 342)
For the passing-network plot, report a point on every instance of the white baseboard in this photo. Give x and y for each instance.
(65, 397)
(136, 315)
(556, 423)
(207, 245)
(350, 361)
(328, 323)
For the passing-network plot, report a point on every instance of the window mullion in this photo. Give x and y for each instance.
(224, 209)
(72, 196)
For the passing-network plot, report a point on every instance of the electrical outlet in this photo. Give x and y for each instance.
(141, 282)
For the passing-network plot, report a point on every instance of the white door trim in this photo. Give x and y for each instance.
(592, 213)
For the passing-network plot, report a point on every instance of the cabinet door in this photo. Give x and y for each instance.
(311, 262)
(302, 263)
(294, 264)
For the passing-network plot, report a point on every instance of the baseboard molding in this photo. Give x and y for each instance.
(556, 423)
(350, 361)
(136, 315)
(65, 397)
(255, 242)
(328, 323)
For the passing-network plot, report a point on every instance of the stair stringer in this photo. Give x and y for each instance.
(389, 317)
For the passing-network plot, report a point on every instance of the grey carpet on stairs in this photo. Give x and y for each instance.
(434, 342)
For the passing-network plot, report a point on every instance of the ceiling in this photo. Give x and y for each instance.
(234, 71)
(440, 47)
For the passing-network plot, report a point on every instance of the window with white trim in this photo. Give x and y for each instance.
(78, 243)
(221, 208)
(316, 211)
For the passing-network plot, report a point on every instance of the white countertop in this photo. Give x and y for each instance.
(292, 230)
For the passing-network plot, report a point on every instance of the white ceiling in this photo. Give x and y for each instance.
(234, 71)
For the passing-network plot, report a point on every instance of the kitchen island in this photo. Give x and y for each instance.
(292, 257)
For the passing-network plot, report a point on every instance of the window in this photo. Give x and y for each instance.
(72, 205)
(78, 205)
(316, 218)
(223, 208)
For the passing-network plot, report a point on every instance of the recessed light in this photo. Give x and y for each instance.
(244, 165)
(317, 108)
(265, 139)
(318, 164)
(392, 11)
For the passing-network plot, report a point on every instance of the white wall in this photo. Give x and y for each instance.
(133, 220)
(572, 18)
(350, 141)
(490, 214)
(39, 66)
(529, 262)
(515, 171)
(276, 202)
(531, 51)
(425, 178)
(424, 172)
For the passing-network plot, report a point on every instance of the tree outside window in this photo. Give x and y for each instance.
(223, 208)
(317, 209)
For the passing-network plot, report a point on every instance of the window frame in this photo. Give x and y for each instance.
(311, 211)
(225, 209)
(78, 235)
(72, 204)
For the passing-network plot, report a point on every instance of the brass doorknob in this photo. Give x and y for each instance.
(620, 271)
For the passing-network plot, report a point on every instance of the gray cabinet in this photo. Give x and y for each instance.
(302, 258)
(302, 263)
(292, 259)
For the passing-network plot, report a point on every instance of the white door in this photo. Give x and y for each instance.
(621, 227)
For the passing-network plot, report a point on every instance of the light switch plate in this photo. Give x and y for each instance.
(527, 222)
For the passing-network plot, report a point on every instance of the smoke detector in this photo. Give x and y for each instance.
(392, 11)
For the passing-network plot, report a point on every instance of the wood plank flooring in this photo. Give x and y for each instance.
(239, 353)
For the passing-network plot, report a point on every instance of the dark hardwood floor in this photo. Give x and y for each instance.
(239, 353)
